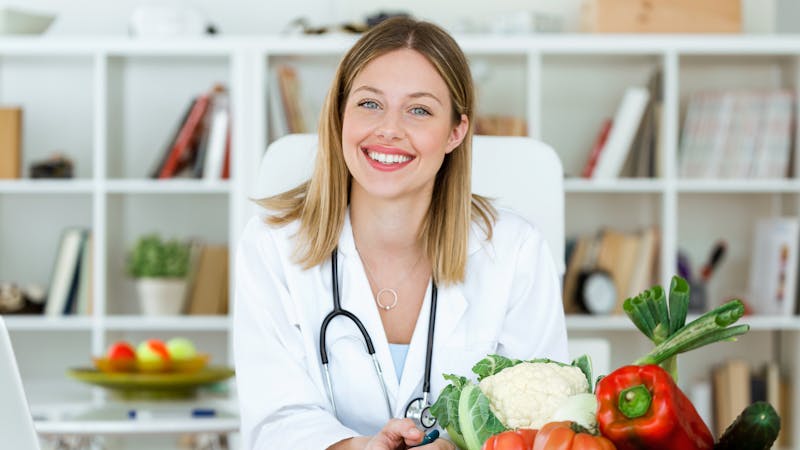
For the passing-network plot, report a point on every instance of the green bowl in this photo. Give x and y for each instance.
(152, 386)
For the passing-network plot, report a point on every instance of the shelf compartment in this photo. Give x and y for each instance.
(572, 82)
(30, 233)
(57, 115)
(705, 218)
(147, 96)
(178, 215)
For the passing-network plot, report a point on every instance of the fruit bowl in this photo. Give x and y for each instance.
(152, 386)
(186, 365)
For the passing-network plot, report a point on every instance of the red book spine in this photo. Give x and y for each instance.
(226, 165)
(597, 148)
(184, 139)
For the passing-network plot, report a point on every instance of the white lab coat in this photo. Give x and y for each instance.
(509, 304)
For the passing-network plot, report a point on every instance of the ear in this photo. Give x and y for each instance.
(458, 133)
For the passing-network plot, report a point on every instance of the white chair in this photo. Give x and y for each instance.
(519, 173)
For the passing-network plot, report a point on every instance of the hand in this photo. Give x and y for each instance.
(397, 434)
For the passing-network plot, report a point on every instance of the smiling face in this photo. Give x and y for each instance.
(398, 126)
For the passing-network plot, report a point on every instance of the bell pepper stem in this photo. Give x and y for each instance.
(635, 401)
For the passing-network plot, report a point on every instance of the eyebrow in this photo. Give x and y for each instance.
(412, 95)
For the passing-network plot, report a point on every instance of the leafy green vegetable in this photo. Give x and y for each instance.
(446, 408)
(493, 364)
(477, 421)
(584, 362)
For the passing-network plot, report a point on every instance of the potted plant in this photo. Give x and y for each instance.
(160, 268)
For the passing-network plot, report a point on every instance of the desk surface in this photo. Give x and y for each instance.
(150, 418)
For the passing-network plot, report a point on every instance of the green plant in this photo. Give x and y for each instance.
(157, 258)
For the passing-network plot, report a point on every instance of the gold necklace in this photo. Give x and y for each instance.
(392, 293)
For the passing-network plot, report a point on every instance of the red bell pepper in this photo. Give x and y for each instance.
(641, 407)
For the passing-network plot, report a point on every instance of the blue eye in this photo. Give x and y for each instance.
(420, 111)
(369, 104)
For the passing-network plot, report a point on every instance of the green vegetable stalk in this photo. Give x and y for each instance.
(663, 322)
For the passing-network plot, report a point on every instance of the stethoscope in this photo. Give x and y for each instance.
(418, 409)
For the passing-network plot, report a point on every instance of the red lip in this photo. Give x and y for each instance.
(388, 151)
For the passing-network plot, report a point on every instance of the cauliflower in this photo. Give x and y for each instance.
(527, 394)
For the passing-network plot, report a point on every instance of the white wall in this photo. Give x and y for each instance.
(82, 17)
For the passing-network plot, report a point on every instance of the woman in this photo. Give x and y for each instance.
(390, 203)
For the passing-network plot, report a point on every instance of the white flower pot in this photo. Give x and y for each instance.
(161, 296)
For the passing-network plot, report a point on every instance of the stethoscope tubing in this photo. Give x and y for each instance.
(339, 311)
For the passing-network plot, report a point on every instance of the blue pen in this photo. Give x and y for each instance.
(430, 437)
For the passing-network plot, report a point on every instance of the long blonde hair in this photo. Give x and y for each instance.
(320, 204)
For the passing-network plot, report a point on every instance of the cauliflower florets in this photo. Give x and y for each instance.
(527, 395)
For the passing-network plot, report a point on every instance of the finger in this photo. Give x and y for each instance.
(404, 430)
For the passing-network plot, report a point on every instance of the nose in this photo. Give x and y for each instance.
(389, 128)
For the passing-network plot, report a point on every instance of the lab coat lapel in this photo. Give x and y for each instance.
(451, 305)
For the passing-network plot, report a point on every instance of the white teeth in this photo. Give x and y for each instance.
(388, 159)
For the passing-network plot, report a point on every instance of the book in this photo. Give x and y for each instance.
(617, 255)
(65, 273)
(10, 142)
(773, 146)
(156, 170)
(85, 296)
(597, 147)
(623, 130)
(731, 392)
(772, 284)
(289, 87)
(210, 289)
(180, 154)
(644, 271)
(214, 151)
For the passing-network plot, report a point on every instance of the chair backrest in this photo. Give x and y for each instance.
(520, 173)
(16, 422)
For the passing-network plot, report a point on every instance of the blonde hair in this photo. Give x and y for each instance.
(320, 204)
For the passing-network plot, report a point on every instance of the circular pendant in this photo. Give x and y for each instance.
(388, 291)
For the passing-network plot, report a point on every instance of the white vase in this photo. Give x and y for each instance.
(161, 296)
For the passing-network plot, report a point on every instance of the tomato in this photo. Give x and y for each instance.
(568, 436)
(521, 439)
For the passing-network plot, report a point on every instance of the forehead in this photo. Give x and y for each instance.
(401, 70)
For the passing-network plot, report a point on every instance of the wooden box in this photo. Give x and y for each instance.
(661, 16)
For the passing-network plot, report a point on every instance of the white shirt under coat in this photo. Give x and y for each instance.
(510, 304)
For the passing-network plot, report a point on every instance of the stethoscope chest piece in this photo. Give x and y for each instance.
(419, 410)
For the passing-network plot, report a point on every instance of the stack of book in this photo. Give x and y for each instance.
(200, 146)
(737, 134)
(628, 144)
(70, 290)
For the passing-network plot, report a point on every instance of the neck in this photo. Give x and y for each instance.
(390, 228)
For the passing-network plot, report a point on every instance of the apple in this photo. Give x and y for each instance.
(121, 357)
(152, 356)
(181, 349)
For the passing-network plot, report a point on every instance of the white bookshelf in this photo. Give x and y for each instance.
(120, 99)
